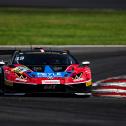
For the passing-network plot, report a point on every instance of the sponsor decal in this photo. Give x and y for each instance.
(20, 58)
(47, 87)
(20, 69)
(48, 75)
(50, 81)
(89, 83)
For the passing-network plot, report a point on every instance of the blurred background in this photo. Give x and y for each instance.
(62, 22)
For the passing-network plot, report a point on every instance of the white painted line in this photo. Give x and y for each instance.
(59, 46)
(105, 90)
(119, 84)
(110, 90)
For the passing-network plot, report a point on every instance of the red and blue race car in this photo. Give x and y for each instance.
(45, 71)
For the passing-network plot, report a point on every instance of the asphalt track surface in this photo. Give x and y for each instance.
(116, 4)
(75, 111)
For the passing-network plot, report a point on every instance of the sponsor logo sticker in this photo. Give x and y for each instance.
(50, 81)
(89, 83)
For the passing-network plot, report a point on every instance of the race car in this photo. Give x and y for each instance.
(40, 71)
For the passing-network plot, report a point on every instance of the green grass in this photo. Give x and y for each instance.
(60, 27)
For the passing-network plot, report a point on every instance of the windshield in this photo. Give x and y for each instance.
(44, 59)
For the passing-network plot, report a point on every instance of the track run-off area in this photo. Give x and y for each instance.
(77, 111)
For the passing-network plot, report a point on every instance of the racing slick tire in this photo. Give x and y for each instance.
(1, 81)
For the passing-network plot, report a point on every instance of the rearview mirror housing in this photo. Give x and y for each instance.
(84, 63)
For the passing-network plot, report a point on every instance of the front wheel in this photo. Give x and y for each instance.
(1, 81)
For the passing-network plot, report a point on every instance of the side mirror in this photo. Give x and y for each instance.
(85, 63)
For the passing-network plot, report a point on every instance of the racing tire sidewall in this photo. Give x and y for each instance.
(1, 81)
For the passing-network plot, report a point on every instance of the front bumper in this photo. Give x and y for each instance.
(78, 89)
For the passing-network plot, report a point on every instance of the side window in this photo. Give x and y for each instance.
(72, 60)
(13, 61)
(16, 59)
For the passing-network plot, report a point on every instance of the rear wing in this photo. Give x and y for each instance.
(7, 52)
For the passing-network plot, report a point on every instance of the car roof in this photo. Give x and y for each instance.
(43, 51)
